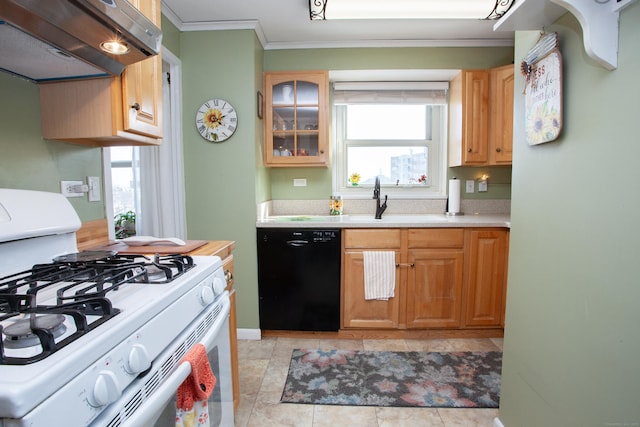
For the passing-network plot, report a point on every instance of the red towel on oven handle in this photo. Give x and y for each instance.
(199, 384)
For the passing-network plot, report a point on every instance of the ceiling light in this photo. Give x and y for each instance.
(408, 9)
(114, 47)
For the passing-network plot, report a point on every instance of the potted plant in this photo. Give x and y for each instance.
(125, 224)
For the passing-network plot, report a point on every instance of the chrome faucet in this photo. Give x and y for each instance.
(376, 195)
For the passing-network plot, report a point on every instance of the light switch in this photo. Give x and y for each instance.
(94, 188)
(482, 185)
(470, 186)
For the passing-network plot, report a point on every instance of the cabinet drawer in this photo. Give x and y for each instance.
(374, 239)
(435, 238)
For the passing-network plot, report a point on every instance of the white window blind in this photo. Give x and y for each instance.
(433, 93)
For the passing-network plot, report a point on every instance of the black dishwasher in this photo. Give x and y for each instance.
(299, 279)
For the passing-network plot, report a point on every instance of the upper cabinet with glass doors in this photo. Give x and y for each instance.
(295, 121)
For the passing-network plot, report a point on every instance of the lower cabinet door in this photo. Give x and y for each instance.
(486, 279)
(358, 312)
(434, 288)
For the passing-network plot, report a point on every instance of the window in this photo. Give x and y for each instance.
(125, 189)
(394, 131)
(124, 179)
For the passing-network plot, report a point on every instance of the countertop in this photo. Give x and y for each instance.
(387, 221)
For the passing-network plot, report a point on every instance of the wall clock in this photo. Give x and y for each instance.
(216, 120)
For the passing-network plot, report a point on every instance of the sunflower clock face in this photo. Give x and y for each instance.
(216, 120)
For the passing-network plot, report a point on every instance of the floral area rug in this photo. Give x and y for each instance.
(387, 378)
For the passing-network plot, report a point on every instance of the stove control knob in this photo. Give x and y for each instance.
(138, 360)
(218, 285)
(206, 295)
(106, 389)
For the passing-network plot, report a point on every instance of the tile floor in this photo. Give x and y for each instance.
(263, 367)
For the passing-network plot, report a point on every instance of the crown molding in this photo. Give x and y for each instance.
(389, 43)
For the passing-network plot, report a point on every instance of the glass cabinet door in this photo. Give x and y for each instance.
(295, 114)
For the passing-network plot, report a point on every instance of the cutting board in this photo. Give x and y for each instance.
(123, 248)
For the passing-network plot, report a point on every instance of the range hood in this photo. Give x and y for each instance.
(61, 39)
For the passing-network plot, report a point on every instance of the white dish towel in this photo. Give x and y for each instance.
(379, 275)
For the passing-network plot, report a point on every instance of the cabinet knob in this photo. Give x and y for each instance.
(228, 276)
(321, 151)
(469, 150)
(136, 106)
(498, 150)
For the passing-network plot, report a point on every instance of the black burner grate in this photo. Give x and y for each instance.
(81, 287)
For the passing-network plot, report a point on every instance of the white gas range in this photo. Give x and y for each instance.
(96, 338)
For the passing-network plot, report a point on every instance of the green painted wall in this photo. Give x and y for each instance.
(170, 36)
(571, 341)
(387, 58)
(220, 179)
(31, 163)
(319, 184)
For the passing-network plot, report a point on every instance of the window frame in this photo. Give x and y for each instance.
(437, 152)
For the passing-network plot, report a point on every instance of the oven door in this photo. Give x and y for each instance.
(220, 402)
(150, 400)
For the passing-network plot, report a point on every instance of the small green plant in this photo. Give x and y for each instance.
(125, 224)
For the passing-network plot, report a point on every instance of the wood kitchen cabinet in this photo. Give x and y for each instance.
(434, 282)
(356, 311)
(446, 278)
(486, 279)
(123, 110)
(501, 124)
(295, 121)
(429, 275)
(481, 117)
(469, 118)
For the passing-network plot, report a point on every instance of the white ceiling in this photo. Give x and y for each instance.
(285, 24)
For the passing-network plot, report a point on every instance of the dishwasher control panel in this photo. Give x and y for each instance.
(325, 235)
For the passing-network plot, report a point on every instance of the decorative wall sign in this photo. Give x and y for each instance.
(543, 91)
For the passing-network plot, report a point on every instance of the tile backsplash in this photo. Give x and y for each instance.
(360, 207)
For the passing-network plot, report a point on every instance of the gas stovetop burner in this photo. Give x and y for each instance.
(85, 256)
(20, 333)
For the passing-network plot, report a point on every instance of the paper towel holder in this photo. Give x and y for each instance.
(447, 211)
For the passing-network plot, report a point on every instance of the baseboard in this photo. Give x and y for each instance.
(249, 334)
(497, 422)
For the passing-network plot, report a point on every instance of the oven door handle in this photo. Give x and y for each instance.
(162, 395)
(170, 385)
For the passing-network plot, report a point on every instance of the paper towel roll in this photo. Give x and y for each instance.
(454, 196)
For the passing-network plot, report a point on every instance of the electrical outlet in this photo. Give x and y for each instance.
(300, 182)
(70, 188)
(482, 185)
(94, 188)
(470, 186)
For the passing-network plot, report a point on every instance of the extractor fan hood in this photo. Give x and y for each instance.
(66, 39)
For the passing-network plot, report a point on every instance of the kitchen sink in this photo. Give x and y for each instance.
(294, 218)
